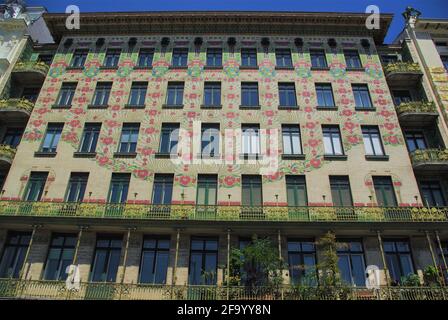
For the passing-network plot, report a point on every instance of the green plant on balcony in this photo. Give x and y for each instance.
(402, 67)
(323, 214)
(430, 154)
(22, 103)
(228, 213)
(27, 66)
(7, 151)
(428, 214)
(182, 212)
(417, 106)
(276, 213)
(135, 211)
(370, 214)
(90, 210)
(411, 280)
(432, 276)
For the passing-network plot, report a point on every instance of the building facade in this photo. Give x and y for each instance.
(159, 141)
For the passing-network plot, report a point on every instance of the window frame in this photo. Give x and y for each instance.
(67, 90)
(288, 128)
(364, 91)
(334, 131)
(322, 89)
(56, 132)
(283, 58)
(318, 53)
(181, 56)
(155, 251)
(172, 149)
(212, 89)
(371, 130)
(60, 272)
(249, 52)
(249, 89)
(287, 88)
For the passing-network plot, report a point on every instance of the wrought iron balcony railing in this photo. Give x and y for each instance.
(416, 107)
(429, 156)
(7, 153)
(402, 67)
(16, 104)
(31, 66)
(55, 290)
(222, 213)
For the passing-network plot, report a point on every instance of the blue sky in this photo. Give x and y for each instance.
(430, 8)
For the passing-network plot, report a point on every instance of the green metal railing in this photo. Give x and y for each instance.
(21, 104)
(222, 213)
(402, 67)
(419, 157)
(56, 290)
(7, 152)
(416, 107)
(31, 66)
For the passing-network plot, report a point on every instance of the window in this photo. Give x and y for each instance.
(318, 59)
(107, 259)
(102, 93)
(210, 140)
(362, 96)
(372, 141)
(251, 139)
(287, 94)
(52, 136)
(163, 189)
(340, 191)
(332, 140)
(66, 94)
(79, 58)
(46, 58)
(155, 259)
(385, 193)
(207, 190)
(89, 138)
(169, 138)
(60, 256)
(249, 58)
(283, 58)
(302, 262)
(212, 94)
(296, 191)
(252, 195)
(119, 187)
(12, 137)
(249, 94)
(401, 96)
(77, 187)
(35, 187)
(112, 58)
(351, 262)
(291, 140)
(180, 57)
(415, 140)
(445, 62)
(399, 260)
(389, 58)
(352, 59)
(30, 94)
(138, 94)
(214, 57)
(324, 94)
(14, 253)
(203, 261)
(145, 58)
(432, 194)
(175, 94)
(129, 138)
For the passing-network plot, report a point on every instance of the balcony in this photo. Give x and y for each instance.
(403, 73)
(417, 113)
(16, 109)
(430, 159)
(56, 290)
(30, 72)
(7, 154)
(273, 214)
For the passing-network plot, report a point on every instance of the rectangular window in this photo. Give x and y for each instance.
(292, 144)
(12, 137)
(401, 96)
(203, 261)
(432, 194)
(52, 136)
(212, 94)
(107, 258)
(66, 94)
(362, 96)
(389, 58)
(79, 58)
(249, 94)
(175, 94)
(214, 57)
(180, 57)
(318, 59)
(340, 191)
(155, 259)
(30, 94)
(162, 189)
(287, 94)
(112, 58)
(324, 94)
(249, 57)
(351, 262)
(137, 96)
(119, 187)
(60, 256)
(283, 58)
(46, 58)
(77, 187)
(352, 59)
(372, 141)
(332, 140)
(209, 140)
(14, 252)
(385, 192)
(145, 58)
(89, 138)
(35, 186)
(399, 260)
(302, 262)
(102, 94)
(296, 191)
(250, 139)
(169, 138)
(207, 190)
(129, 138)
(415, 140)
(252, 194)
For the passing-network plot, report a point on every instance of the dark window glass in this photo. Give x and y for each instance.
(180, 57)
(52, 136)
(107, 259)
(445, 62)
(14, 253)
(432, 194)
(145, 58)
(252, 194)
(291, 140)
(214, 57)
(251, 139)
(384, 190)
(119, 187)
(296, 191)
(389, 59)
(401, 96)
(155, 259)
(332, 140)
(102, 94)
(352, 59)
(35, 187)
(12, 137)
(89, 138)
(31, 94)
(302, 262)
(362, 96)
(162, 189)
(207, 190)
(399, 260)
(60, 256)
(324, 94)
(210, 139)
(415, 140)
(203, 261)
(287, 94)
(169, 138)
(66, 94)
(137, 96)
(77, 187)
(249, 57)
(283, 58)
(175, 94)
(212, 94)
(372, 141)
(340, 191)
(79, 58)
(249, 94)
(351, 263)
(129, 137)
(318, 59)
(46, 58)
(112, 58)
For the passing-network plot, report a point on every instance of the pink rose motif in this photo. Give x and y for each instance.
(150, 130)
(142, 174)
(191, 114)
(397, 184)
(115, 108)
(74, 123)
(342, 91)
(306, 94)
(313, 143)
(230, 115)
(229, 181)
(111, 123)
(107, 140)
(268, 95)
(349, 125)
(308, 109)
(353, 139)
(230, 96)
(389, 126)
(184, 180)
(37, 123)
(78, 111)
(152, 113)
(71, 137)
(345, 101)
(310, 125)
(382, 102)
(386, 113)
(146, 151)
(315, 163)
(103, 161)
(369, 183)
(393, 140)
(269, 113)
(347, 113)
(24, 178)
(379, 91)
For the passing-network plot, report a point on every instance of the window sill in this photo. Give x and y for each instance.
(74, 68)
(250, 156)
(178, 67)
(250, 107)
(327, 108)
(285, 68)
(209, 157)
(125, 154)
(248, 68)
(365, 109)
(293, 156)
(203, 106)
(109, 68)
(288, 107)
(377, 158)
(162, 155)
(93, 106)
(56, 106)
(84, 154)
(143, 68)
(213, 67)
(355, 69)
(133, 106)
(320, 69)
(41, 154)
(172, 106)
(333, 157)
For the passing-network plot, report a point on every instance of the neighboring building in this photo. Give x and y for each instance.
(93, 185)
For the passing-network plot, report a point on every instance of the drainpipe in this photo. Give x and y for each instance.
(176, 257)
(125, 259)
(279, 237)
(433, 256)
(383, 257)
(78, 244)
(439, 243)
(25, 260)
(228, 264)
